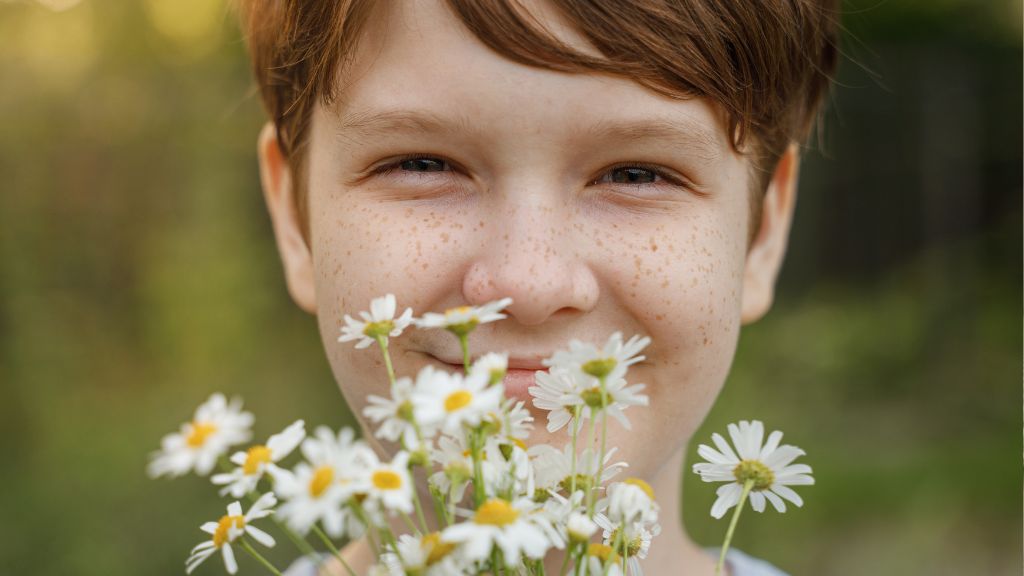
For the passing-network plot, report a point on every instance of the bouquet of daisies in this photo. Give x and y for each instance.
(500, 506)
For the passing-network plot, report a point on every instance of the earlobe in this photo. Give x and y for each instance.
(279, 194)
(765, 255)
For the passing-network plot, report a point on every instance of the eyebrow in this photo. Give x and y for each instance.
(674, 132)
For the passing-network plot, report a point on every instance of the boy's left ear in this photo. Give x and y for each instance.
(764, 257)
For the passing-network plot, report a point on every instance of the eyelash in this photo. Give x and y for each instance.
(394, 166)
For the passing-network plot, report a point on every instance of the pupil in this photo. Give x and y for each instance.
(423, 165)
(632, 176)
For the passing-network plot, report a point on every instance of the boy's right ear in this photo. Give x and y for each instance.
(279, 193)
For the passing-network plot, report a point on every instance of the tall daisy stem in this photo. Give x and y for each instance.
(382, 341)
(575, 432)
(590, 446)
(334, 550)
(732, 525)
(464, 344)
(259, 557)
(604, 435)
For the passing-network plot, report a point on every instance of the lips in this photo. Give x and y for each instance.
(518, 379)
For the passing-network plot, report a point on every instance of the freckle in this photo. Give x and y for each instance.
(444, 237)
(425, 265)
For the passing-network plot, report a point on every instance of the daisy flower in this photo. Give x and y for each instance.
(389, 486)
(463, 319)
(379, 322)
(597, 557)
(456, 466)
(513, 420)
(318, 488)
(259, 459)
(769, 467)
(216, 426)
(553, 467)
(516, 528)
(560, 392)
(610, 362)
(232, 526)
(491, 366)
(635, 540)
(397, 416)
(632, 500)
(428, 555)
(506, 468)
(453, 401)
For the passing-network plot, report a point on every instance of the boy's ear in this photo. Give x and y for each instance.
(279, 193)
(764, 257)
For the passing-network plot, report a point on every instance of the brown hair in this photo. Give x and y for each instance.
(766, 63)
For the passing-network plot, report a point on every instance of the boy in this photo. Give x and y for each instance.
(608, 165)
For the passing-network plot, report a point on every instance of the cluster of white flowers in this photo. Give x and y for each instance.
(501, 506)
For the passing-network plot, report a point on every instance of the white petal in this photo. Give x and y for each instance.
(714, 456)
(723, 447)
(775, 500)
(235, 509)
(757, 501)
(782, 457)
(773, 442)
(788, 493)
(229, 559)
(798, 480)
(728, 496)
(260, 536)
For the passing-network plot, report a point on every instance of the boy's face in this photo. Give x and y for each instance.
(596, 204)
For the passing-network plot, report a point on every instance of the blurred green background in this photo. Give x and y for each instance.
(139, 274)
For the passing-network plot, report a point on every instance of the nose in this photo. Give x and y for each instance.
(531, 256)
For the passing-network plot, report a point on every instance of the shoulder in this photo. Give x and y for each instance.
(741, 564)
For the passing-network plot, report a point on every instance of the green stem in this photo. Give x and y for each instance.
(382, 341)
(361, 514)
(439, 505)
(464, 343)
(732, 525)
(259, 557)
(334, 550)
(419, 512)
(604, 435)
(575, 433)
(565, 560)
(412, 525)
(590, 445)
(479, 491)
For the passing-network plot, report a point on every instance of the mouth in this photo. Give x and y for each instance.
(518, 378)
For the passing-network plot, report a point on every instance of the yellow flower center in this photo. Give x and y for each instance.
(496, 512)
(457, 310)
(200, 432)
(457, 400)
(629, 547)
(377, 329)
(220, 535)
(436, 548)
(602, 551)
(322, 478)
(255, 456)
(642, 485)
(386, 480)
(592, 397)
(599, 368)
(755, 470)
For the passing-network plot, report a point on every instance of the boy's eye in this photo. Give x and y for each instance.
(631, 175)
(423, 164)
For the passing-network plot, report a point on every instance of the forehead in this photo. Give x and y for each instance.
(418, 68)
